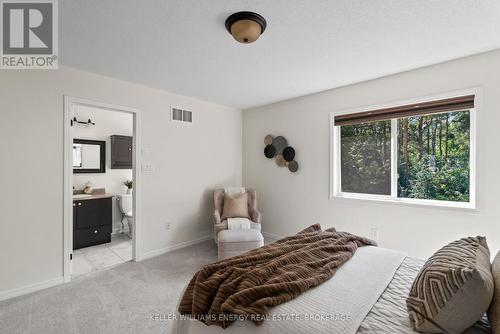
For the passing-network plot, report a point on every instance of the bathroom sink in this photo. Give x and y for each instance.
(81, 196)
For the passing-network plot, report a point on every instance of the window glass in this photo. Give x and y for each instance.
(366, 158)
(433, 156)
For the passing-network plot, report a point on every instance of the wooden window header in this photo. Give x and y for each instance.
(417, 109)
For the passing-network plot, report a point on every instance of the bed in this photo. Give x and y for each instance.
(366, 295)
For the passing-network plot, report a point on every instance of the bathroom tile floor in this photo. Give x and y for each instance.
(91, 259)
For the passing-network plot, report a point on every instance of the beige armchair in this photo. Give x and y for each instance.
(255, 215)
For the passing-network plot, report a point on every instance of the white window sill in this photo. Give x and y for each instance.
(470, 207)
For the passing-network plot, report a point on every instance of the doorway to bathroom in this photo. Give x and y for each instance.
(101, 186)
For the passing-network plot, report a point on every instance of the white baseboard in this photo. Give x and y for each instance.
(31, 288)
(172, 248)
(272, 236)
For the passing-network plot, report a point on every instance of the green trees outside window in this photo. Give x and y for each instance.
(433, 157)
(366, 158)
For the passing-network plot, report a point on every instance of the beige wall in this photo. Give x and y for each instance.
(188, 162)
(289, 202)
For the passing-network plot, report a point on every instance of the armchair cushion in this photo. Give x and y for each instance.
(222, 226)
(235, 207)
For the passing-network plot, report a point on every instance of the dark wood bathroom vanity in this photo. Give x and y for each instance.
(92, 220)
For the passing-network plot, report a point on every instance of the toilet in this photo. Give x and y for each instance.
(125, 205)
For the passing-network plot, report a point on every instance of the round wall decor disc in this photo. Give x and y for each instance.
(289, 153)
(268, 140)
(293, 166)
(279, 144)
(269, 151)
(280, 161)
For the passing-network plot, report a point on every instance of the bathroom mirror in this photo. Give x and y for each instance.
(89, 156)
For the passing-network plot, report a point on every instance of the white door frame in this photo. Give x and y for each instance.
(69, 103)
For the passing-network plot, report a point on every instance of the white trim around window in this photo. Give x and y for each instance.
(335, 182)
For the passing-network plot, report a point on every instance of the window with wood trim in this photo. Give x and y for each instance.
(418, 153)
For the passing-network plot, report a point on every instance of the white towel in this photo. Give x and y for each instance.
(238, 224)
(232, 191)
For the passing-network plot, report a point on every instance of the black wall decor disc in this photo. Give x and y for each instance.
(293, 166)
(289, 153)
(270, 151)
(279, 144)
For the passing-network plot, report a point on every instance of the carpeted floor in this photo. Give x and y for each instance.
(119, 300)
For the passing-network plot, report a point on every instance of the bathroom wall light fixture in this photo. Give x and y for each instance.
(89, 122)
(246, 27)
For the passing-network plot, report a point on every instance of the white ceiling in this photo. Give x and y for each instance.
(182, 45)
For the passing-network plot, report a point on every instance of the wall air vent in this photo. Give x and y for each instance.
(187, 116)
(180, 115)
(176, 114)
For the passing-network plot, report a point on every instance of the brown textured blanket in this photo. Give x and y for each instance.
(245, 286)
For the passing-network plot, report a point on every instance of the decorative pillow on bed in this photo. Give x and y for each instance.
(453, 289)
(494, 311)
(235, 206)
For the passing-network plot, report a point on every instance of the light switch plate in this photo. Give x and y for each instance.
(147, 168)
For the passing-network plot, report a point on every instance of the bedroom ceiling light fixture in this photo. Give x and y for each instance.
(246, 27)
